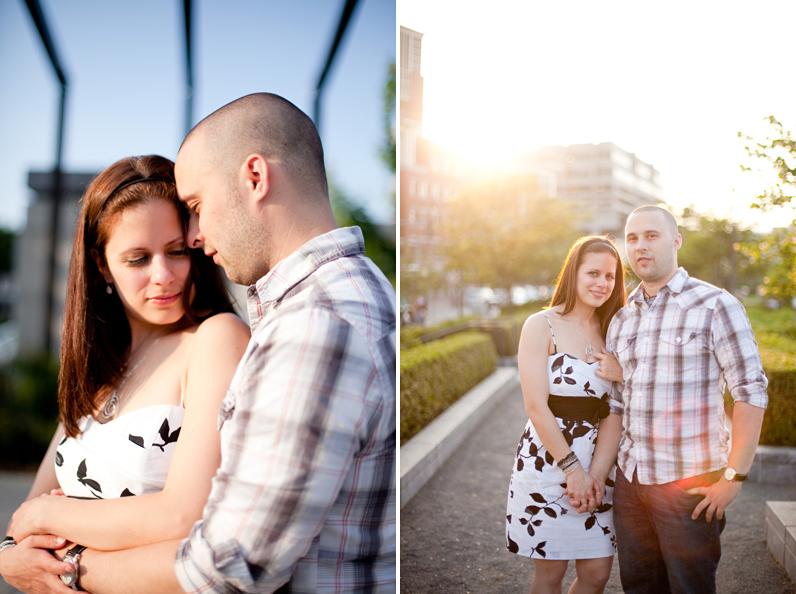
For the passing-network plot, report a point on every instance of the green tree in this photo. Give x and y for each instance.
(714, 251)
(776, 255)
(388, 147)
(379, 239)
(501, 232)
(779, 151)
(778, 250)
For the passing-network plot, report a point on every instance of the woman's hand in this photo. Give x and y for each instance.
(584, 492)
(32, 568)
(609, 368)
(29, 518)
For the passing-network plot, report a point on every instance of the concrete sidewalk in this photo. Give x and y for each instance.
(14, 487)
(452, 531)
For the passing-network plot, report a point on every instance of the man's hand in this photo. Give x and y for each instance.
(31, 567)
(609, 368)
(717, 497)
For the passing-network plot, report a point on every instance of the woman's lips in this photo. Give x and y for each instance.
(165, 299)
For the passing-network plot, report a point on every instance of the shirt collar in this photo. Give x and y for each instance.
(675, 285)
(289, 272)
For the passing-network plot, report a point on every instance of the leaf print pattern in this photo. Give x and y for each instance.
(82, 472)
(538, 519)
(137, 440)
(166, 436)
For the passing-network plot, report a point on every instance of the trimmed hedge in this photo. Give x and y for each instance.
(437, 374)
(412, 335)
(775, 332)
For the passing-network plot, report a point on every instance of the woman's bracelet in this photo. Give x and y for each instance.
(569, 463)
(7, 542)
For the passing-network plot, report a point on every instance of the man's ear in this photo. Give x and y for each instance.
(257, 176)
(103, 267)
(678, 241)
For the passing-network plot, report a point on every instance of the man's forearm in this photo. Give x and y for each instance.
(746, 423)
(147, 569)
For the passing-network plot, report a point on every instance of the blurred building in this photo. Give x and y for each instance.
(32, 257)
(430, 175)
(602, 182)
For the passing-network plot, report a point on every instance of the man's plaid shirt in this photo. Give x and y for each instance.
(677, 355)
(304, 499)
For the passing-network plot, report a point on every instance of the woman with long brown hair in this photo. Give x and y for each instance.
(149, 349)
(559, 501)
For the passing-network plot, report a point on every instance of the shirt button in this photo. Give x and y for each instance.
(677, 339)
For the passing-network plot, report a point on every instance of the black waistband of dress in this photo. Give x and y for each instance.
(578, 408)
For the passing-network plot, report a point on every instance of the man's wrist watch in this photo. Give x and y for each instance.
(732, 475)
(73, 556)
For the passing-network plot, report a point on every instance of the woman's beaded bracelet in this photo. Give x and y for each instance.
(569, 463)
(7, 542)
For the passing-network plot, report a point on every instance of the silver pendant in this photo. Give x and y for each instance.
(110, 407)
(589, 351)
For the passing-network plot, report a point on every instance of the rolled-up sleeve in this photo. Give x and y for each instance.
(737, 353)
(300, 413)
(615, 403)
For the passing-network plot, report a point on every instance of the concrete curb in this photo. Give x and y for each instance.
(427, 451)
(781, 534)
(774, 464)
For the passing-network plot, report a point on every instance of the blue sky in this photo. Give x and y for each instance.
(125, 65)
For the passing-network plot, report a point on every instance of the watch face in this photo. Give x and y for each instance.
(69, 579)
(729, 474)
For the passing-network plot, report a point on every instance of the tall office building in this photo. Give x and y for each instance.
(602, 182)
(430, 175)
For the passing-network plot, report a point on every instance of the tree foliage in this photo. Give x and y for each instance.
(388, 147)
(779, 150)
(501, 232)
(777, 252)
(715, 250)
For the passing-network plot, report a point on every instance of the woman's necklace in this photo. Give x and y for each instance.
(589, 348)
(110, 408)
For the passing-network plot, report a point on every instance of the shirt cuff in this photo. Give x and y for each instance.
(203, 568)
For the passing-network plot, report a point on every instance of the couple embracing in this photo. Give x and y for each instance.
(637, 382)
(193, 454)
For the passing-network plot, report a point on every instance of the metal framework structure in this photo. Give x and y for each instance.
(36, 13)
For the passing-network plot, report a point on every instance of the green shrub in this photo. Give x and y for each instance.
(775, 333)
(411, 335)
(437, 374)
(28, 410)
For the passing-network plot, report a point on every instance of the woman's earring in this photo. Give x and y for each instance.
(109, 288)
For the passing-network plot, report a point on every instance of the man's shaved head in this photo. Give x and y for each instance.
(668, 217)
(268, 125)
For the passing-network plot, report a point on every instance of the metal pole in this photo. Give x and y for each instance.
(188, 68)
(41, 24)
(348, 10)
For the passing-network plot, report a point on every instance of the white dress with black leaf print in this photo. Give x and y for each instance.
(540, 523)
(129, 455)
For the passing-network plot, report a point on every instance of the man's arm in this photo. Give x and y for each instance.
(147, 569)
(738, 356)
(746, 423)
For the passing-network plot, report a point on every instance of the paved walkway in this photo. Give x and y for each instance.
(14, 487)
(452, 532)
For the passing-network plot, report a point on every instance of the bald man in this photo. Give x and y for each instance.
(679, 341)
(304, 499)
